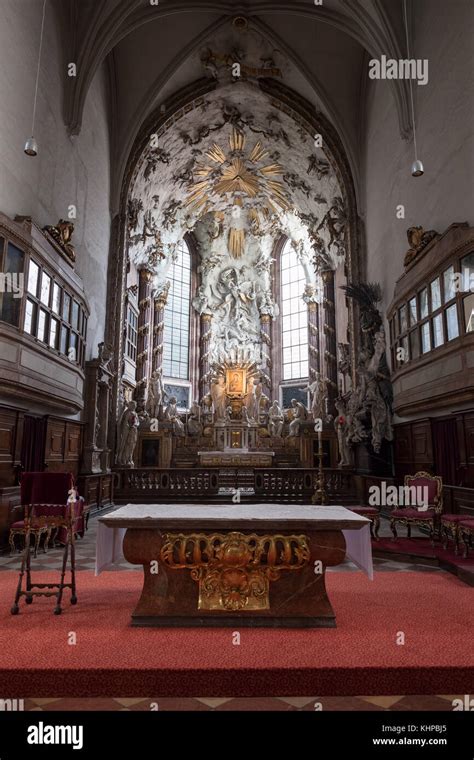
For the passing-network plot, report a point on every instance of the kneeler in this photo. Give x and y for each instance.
(49, 499)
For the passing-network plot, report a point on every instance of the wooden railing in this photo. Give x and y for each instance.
(149, 484)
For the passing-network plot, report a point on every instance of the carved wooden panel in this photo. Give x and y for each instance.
(73, 441)
(55, 438)
(7, 435)
(106, 489)
(421, 441)
(402, 443)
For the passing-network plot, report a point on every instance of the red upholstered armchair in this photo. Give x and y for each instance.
(421, 511)
(50, 500)
(44, 497)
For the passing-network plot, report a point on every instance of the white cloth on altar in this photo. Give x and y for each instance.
(109, 548)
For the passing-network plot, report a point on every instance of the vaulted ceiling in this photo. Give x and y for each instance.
(152, 51)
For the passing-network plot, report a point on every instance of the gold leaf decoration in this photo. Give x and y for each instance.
(236, 242)
(237, 140)
(216, 154)
(258, 153)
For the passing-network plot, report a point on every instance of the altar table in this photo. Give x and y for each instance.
(234, 564)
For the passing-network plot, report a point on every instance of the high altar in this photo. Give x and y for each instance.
(238, 565)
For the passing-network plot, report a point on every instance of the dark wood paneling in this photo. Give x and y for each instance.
(63, 445)
(422, 446)
(11, 429)
(402, 444)
(55, 439)
(413, 446)
(73, 437)
(459, 501)
(97, 490)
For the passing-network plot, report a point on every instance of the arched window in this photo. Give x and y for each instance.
(294, 317)
(176, 318)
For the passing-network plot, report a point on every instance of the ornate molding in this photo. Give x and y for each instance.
(234, 570)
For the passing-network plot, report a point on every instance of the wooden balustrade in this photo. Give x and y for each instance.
(143, 484)
(151, 484)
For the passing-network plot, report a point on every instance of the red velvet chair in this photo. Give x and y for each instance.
(450, 529)
(466, 532)
(417, 514)
(49, 500)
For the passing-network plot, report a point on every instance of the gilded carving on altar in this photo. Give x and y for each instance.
(234, 570)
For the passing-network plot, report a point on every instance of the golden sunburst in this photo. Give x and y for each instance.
(237, 175)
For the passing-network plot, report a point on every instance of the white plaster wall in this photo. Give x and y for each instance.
(445, 130)
(66, 170)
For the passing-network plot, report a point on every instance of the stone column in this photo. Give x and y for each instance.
(204, 355)
(159, 303)
(266, 363)
(330, 341)
(144, 319)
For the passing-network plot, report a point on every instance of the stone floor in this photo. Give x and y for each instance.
(437, 703)
(85, 554)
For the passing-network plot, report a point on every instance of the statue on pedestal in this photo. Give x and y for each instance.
(128, 434)
(250, 402)
(206, 407)
(171, 415)
(194, 420)
(156, 394)
(275, 420)
(219, 399)
(341, 427)
(300, 414)
(318, 391)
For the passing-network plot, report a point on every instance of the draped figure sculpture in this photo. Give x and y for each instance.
(128, 434)
(219, 399)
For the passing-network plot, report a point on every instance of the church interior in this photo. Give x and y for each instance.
(236, 355)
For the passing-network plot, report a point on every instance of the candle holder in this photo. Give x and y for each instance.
(320, 494)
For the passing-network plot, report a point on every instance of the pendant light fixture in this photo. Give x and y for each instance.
(31, 146)
(417, 169)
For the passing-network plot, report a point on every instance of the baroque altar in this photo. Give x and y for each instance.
(235, 565)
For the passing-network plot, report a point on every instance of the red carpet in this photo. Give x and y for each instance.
(434, 611)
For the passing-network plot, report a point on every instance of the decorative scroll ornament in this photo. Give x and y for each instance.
(61, 233)
(234, 570)
(418, 239)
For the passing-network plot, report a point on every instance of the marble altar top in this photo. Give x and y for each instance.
(234, 517)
